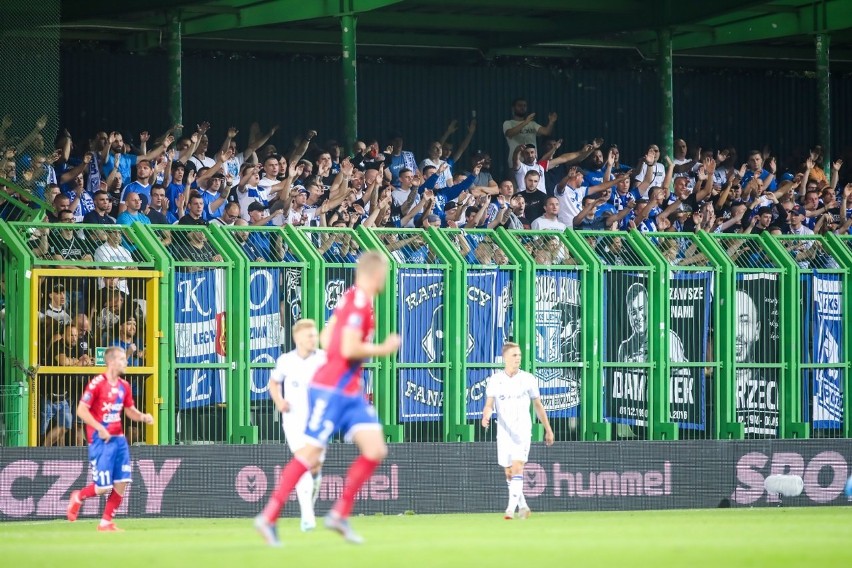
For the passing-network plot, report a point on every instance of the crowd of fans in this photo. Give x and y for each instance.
(182, 180)
(167, 180)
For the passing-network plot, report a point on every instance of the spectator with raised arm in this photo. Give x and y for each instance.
(522, 129)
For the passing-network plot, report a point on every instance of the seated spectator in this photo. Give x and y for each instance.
(113, 251)
(195, 214)
(550, 219)
(65, 243)
(132, 210)
(126, 338)
(194, 248)
(56, 417)
(100, 215)
(52, 320)
(66, 352)
(158, 209)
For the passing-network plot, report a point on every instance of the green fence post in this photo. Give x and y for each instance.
(166, 415)
(725, 420)
(312, 292)
(790, 395)
(18, 355)
(237, 338)
(843, 253)
(594, 428)
(386, 388)
(659, 375)
(456, 324)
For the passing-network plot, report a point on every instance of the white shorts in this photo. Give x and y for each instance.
(511, 449)
(296, 439)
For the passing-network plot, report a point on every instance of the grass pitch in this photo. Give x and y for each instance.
(776, 538)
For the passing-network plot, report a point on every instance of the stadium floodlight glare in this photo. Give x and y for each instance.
(784, 485)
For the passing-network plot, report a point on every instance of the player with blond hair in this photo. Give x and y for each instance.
(510, 392)
(293, 372)
(337, 402)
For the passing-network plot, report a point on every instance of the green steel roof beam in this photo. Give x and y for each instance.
(806, 20)
(281, 11)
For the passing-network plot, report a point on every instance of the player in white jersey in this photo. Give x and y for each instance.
(294, 371)
(511, 391)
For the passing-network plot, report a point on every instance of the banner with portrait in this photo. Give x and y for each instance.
(199, 336)
(625, 323)
(756, 343)
(822, 339)
(689, 328)
(557, 340)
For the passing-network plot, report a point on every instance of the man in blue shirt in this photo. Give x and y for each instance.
(755, 168)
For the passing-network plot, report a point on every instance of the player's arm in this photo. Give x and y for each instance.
(85, 415)
(325, 334)
(277, 396)
(352, 347)
(487, 411)
(137, 415)
(542, 416)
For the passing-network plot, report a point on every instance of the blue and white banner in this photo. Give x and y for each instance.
(490, 313)
(264, 325)
(421, 325)
(557, 340)
(200, 336)
(823, 323)
(337, 281)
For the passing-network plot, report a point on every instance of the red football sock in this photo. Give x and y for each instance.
(286, 482)
(88, 492)
(113, 501)
(359, 472)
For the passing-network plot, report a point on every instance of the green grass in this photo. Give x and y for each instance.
(724, 538)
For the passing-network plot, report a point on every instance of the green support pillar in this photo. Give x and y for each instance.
(664, 60)
(823, 98)
(350, 80)
(175, 72)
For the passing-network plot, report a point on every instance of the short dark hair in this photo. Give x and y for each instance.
(518, 99)
(195, 195)
(404, 171)
(532, 173)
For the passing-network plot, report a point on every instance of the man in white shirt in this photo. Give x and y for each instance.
(550, 220)
(522, 128)
(293, 371)
(512, 390)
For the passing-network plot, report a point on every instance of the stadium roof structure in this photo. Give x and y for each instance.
(779, 31)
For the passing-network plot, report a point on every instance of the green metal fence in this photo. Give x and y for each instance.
(419, 391)
(204, 387)
(70, 292)
(761, 348)
(628, 292)
(631, 336)
(552, 305)
(333, 253)
(271, 278)
(684, 321)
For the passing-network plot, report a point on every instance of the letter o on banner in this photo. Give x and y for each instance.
(840, 470)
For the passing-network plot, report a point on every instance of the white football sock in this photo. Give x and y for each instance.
(304, 490)
(522, 502)
(316, 488)
(516, 488)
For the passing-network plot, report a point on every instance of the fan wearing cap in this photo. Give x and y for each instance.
(796, 220)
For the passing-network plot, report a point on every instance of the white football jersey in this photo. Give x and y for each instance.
(296, 374)
(512, 396)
